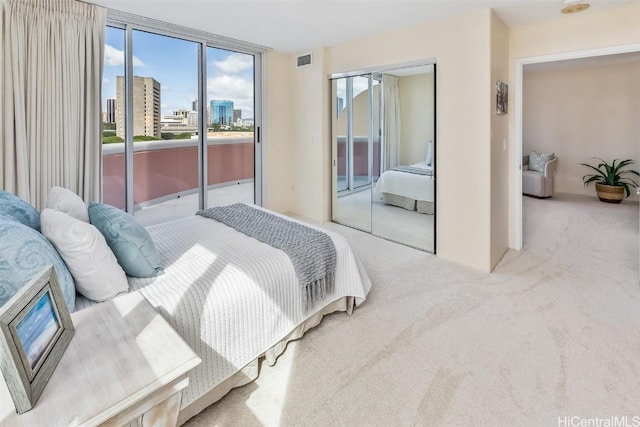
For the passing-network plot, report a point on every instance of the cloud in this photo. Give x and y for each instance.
(235, 63)
(115, 57)
(232, 88)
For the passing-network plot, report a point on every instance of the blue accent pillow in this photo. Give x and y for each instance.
(23, 253)
(16, 208)
(130, 242)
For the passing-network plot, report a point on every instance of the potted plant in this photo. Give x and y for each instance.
(611, 182)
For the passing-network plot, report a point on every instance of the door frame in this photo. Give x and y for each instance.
(516, 161)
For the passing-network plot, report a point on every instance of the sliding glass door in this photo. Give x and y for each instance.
(165, 160)
(165, 153)
(230, 127)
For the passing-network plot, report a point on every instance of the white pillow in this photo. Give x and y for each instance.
(429, 158)
(63, 200)
(93, 266)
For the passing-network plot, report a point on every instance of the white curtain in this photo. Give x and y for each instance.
(391, 121)
(50, 108)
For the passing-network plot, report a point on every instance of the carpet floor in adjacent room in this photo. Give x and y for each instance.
(553, 332)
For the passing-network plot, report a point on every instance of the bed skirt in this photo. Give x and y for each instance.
(424, 207)
(421, 206)
(250, 371)
(399, 201)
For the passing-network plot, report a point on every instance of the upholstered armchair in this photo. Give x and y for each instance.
(536, 183)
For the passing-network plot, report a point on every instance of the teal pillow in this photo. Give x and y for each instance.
(130, 242)
(13, 206)
(23, 253)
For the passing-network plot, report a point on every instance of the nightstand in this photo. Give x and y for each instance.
(124, 365)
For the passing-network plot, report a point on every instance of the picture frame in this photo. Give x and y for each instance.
(502, 98)
(35, 330)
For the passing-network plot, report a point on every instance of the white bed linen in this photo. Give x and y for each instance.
(411, 185)
(231, 297)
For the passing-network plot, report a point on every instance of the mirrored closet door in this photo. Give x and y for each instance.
(383, 147)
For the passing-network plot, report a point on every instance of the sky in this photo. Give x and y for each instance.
(174, 64)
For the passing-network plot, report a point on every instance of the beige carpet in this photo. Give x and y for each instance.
(553, 332)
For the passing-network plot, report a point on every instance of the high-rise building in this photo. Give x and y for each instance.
(194, 105)
(111, 110)
(237, 115)
(192, 118)
(182, 113)
(221, 112)
(146, 106)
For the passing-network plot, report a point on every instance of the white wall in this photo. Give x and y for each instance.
(416, 107)
(579, 112)
(569, 33)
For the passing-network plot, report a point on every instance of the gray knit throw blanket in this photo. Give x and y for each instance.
(312, 252)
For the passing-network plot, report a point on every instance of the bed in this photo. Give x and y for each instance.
(409, 187)
(234, 299)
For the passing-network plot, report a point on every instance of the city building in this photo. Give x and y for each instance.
(192, 118)
(181, 112)
(237, 115)
(221, 112)
(194, 108)
(146, 106)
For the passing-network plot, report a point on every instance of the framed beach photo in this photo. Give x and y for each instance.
(35, 330)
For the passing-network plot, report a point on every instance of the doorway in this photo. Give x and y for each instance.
(517, 198)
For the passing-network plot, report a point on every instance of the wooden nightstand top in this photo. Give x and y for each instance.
(123, 351)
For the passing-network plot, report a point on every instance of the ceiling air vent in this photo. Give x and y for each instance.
(304, 60)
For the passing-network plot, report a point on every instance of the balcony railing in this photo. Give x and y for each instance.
(169, 168)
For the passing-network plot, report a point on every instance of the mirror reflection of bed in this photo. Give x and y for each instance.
(383, 146)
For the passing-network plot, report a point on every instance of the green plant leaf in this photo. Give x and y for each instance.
(611, 174)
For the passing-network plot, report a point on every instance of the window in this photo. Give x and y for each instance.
(166, 154)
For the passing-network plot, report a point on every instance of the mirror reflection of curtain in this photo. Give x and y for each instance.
(392, 122)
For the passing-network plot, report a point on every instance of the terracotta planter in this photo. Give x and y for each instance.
(610, 193)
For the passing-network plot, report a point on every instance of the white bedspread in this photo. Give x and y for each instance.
(411, 185)
(230, 296)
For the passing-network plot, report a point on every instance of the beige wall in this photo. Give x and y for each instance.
(468, 50)
(464, 91)
(278, 148)
(580, 112)
(416, 108)
(569, 33)
(310, 125)
(499, 143)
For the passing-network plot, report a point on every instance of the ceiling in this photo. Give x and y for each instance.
(296, 26)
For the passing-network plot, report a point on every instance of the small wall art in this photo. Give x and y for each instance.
(502, 98)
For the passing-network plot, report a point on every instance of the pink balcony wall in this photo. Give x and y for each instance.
(172, 168)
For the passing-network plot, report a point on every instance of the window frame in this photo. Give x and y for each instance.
(129, 23)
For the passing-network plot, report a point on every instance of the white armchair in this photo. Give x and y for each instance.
(538, 184)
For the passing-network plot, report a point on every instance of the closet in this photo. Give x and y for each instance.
(383, 153)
